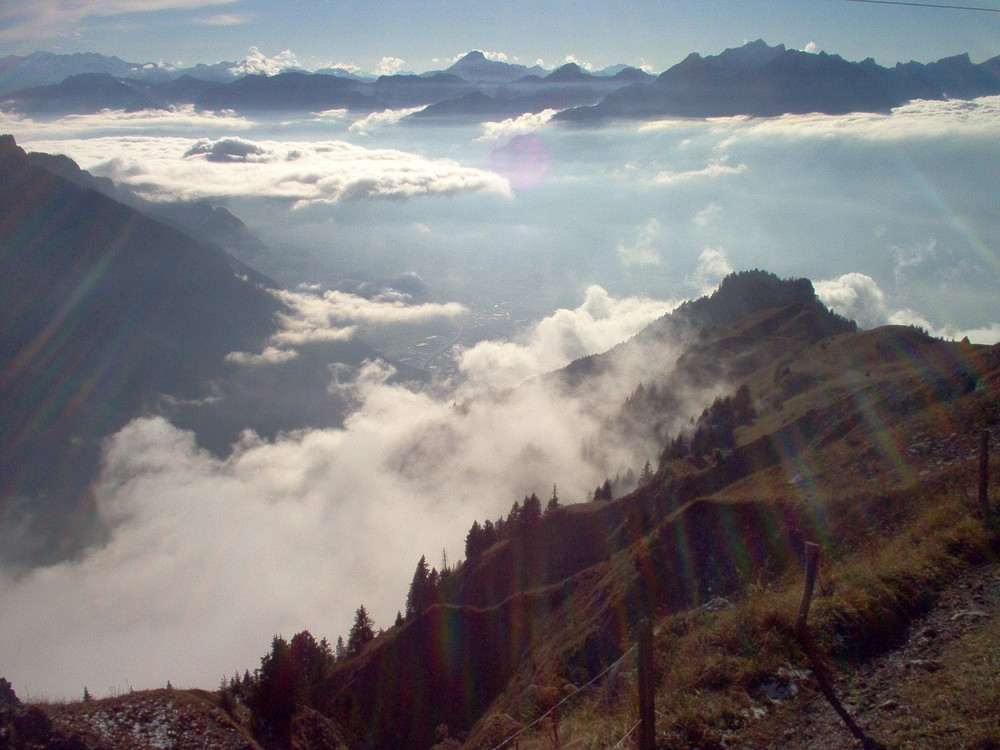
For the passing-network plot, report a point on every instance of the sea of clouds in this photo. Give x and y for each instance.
(892, 215)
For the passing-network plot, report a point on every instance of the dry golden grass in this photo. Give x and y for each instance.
(715, 666)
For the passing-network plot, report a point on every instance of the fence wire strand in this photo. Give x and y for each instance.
(569, 697)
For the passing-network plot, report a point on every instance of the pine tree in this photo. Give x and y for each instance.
(362, 631)
(553, 505)
(340, 650)
(531, 513)
(417, 598)
(647, 474)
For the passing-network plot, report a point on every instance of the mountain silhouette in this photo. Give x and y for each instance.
(755, 79)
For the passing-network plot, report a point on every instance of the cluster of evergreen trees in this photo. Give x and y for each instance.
(715, 427)
(523, 519)
(293, 673)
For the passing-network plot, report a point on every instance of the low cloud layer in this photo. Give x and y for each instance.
(173, 168)
(378, 120)
(513, 126)
(209, 557)
(335, 316)
(183, 119)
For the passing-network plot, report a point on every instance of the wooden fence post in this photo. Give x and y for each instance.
(819, 669)
(647, 690)
(989, 517)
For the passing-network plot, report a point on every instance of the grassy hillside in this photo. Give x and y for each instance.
(864, 442)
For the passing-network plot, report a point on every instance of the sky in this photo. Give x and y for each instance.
(892, 215)
(400, 35)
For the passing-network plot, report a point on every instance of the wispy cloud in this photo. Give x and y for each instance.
(41, 19)
(643, 251)
(378, 120)
(299, 172)
(311, 317)
(718, 168)
(174, 119)
(224, 19)
(713, 266)
(514, 126)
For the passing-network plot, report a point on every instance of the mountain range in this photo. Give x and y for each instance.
(756, 79)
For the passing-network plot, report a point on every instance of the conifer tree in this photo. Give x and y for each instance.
(362, 631)
(647, 474)
(553, 504)
(417, 600)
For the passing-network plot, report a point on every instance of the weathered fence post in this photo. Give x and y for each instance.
(647, 689)
(989, 517)
(819, 669)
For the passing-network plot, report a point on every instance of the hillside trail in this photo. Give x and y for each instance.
(903, 697)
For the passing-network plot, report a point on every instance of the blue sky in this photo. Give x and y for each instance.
(426, 35)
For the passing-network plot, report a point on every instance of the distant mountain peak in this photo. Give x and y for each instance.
(476, 66)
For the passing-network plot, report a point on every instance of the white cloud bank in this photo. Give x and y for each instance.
(174, 119)
(175, 168)
(859, 297)
(377, 120)
(512, 126)
(208, 558)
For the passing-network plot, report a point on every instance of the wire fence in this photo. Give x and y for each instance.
(568, 698)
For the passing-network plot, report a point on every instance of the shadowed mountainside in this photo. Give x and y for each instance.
(110, 314)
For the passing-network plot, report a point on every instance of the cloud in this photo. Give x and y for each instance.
(271, 355)
(333, 308)
(40, 19)
(987, 334)
(859, 297)
(311, 317)
(582, 63)
(641, 252)
(716, 168)
(920, 119)
(224, 19)
(257, 62)
(708, 215)
(811, 47)
(855, 296)
(713, 266)
(174, 168)
(207, 558)
(389, 66)
(595, 326)
(227, 150)
(174, 119)
(514, 126)
(377, 120)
